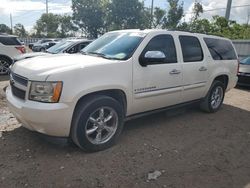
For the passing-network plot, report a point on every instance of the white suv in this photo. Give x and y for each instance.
(121, 75)
(10, 47)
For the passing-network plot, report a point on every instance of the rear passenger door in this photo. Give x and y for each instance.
(195, 70)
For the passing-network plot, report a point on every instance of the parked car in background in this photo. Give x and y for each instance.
(244, 72)
(65, 46)
(122, 75)
(39, 42)
(44, 46)
(10, 47)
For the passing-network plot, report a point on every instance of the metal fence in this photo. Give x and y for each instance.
(242, 48)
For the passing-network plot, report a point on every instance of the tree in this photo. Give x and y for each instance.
(47, 25)
(174, 14)
(197, 10)
(89, 15)
(66, 26)
(4, 29)
(19, 30)
(127, 15)
(158, 17)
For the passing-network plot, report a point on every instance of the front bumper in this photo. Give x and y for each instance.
(51, 119)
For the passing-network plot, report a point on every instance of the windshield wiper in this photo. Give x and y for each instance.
(98, 54)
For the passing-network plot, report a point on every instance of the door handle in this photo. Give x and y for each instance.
(203, 68)
(175, 71)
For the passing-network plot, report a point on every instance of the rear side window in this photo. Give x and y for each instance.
(220, 49)
(9, 41)
(191, 49)
(165, 44)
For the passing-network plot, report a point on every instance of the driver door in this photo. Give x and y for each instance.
(157, 83)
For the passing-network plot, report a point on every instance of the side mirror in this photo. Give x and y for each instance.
(152, 57)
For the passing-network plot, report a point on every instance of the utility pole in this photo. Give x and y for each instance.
(152, 13)
(47, 12)
(229, 4)
(47, 7)
(11, 25)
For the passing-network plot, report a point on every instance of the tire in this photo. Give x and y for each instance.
(42, 50)
(214, 98)
(4, 65)
(97, 123)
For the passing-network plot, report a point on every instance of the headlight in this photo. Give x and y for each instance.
(49, 92)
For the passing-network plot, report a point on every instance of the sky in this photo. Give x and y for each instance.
(27, 12)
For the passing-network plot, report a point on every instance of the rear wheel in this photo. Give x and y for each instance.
(4, 65)
(42, 50)
(97, 123)
(214, 98)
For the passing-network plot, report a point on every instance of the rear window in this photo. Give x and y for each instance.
(220, 49)
(191, 49)
(9, 41)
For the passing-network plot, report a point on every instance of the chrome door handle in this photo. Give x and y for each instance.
(203, 69)
(175, 71)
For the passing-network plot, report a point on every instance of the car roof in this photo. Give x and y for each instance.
(147, 31)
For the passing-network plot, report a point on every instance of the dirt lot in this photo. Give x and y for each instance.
(187, 148)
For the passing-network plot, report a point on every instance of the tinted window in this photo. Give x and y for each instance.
(9, 41)
(165, 44)
(220, 49)
(191, 49)
(83, 45)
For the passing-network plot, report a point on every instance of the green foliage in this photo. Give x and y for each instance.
(127, 14)
(53, 26)
(20, 31)
(4, 29)
(219, 26)
(158, 16)
(174, 15)
(89, 15)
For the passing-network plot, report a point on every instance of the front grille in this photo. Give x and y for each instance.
(20, 79)
(18, 92)
(18, 85)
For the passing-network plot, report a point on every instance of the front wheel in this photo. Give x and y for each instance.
(214, 98)
(97, 123)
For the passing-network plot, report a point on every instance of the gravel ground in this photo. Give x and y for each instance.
(183, 148)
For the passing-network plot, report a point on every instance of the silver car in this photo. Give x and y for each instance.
(244, 72)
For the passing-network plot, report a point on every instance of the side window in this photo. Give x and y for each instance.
(82, 45)
(191, 49)
(165, 44)
(73, 49)
(9, 41)
(220, 49)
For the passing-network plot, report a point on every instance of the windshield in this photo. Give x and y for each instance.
(59, 47)
(245, 61)
(115, 45)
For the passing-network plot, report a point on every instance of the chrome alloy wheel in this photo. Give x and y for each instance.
(101, 125)
(4, 67)
(216, 97)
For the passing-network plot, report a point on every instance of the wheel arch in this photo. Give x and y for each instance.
(117, 94)
(224, 78)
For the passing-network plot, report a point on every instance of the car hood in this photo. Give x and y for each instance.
(29, 55)
(39, 68)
